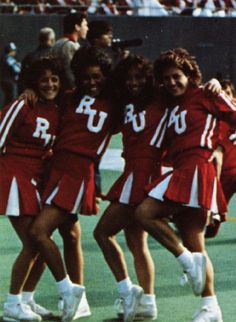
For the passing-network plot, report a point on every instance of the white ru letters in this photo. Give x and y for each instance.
(41, 130)
(85, 108)
(138, 120)
(179, 120)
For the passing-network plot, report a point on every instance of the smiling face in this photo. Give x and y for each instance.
(48, 85)
(135, 81)
(175, 81)
(92, 81)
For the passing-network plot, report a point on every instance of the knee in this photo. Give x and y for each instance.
(70, 237)
(99, 235)
(37, 235)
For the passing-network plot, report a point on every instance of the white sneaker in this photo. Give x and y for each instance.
(83, 309)
(130, 303)
(71, 302)
(208, 314)
(19, 312)
(197, 274)
(40, 310)
(144, 311)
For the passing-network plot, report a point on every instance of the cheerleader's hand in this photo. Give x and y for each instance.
(212, 87)
(217, 158)
(29, 96)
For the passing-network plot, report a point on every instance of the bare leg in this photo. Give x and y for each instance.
(34, 275)
(114, 219)
(73, 254)
(191, 227)
(150, 215)
(46, 222)
(25, 260)
(136, 240)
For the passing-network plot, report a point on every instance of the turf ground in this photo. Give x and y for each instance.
(175, 303)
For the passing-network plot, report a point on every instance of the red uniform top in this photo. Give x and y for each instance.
(228, 139)
(28, 131)
(85, 127)
(194, 121)
(143, 130)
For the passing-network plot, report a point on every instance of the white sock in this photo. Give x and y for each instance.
(148, 299)
(14, 298)
(124, 286)
(64, 286)
(210, 301)
(27, 296)
(185, 259)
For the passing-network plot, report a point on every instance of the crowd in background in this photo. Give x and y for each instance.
(206, 8)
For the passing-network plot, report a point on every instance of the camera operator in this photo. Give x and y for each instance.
(100, 34)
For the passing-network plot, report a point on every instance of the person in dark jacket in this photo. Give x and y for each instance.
(9, 73)
(46, 39)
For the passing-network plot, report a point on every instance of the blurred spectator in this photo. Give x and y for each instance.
(207, 8)
(7, 6)
(9, 72)
(75, 27)
(46, 39)
(147, 8)
(228, 87)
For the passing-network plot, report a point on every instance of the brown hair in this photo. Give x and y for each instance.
(181, 59)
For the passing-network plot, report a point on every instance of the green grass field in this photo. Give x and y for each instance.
(175, 303)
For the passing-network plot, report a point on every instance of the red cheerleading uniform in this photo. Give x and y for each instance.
(228, 173)
(26, 136)
(142, 133)
(192, 134)
(83, 138)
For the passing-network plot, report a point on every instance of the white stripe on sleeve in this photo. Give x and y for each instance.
(10, 121)
(228, 101)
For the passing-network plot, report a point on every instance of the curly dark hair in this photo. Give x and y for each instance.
(90, 56)
(181, 59)
(38, 67)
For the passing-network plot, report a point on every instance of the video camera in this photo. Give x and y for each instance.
(118, 44)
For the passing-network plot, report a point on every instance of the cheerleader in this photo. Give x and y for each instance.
(27, 135)
(184, 194)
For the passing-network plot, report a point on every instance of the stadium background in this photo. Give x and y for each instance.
(212, 42)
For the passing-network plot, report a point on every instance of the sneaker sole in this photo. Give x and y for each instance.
(10, 319)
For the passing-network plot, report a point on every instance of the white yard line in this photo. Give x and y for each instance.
(112, 160)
